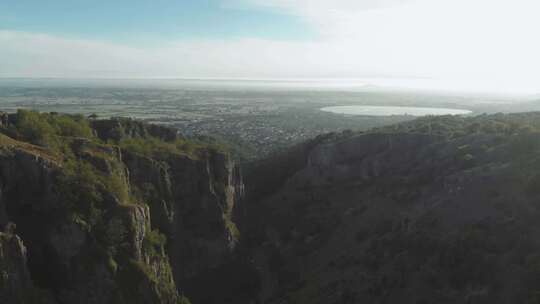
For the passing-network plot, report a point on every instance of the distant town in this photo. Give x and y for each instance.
(253, 123)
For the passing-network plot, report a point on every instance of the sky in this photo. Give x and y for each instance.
(470, 44)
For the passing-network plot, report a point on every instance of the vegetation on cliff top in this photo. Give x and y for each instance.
(92, 191)
(48, 129)
(154, 146)
(54, 131)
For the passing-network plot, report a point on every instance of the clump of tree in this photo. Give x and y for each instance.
(48, 129)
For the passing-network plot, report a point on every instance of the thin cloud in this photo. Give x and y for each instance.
(487, 43)
(41, 55)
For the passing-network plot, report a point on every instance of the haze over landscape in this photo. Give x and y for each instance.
(469, 45)
(269, 152)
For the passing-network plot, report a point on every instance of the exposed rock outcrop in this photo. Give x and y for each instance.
(15, 282)
(192, 200)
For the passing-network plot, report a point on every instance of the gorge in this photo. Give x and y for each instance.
(439, 209)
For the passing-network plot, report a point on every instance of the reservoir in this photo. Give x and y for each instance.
(391, 110)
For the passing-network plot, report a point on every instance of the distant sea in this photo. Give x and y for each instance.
(390, 111)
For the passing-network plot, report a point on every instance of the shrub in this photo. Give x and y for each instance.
(80, 187)
(77, 186)
(154, 242)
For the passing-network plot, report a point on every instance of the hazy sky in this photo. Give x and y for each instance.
(488, 44)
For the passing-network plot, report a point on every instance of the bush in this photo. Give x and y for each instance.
(77, 186)
(71, 125)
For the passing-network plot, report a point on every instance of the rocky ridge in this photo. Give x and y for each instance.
(438, 210)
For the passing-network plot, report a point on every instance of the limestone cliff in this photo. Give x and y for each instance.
(99, 221)
(192, 199)
(15, 283)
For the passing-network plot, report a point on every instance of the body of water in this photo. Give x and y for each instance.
(392, 110)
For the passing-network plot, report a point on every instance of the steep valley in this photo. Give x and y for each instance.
(435, 210)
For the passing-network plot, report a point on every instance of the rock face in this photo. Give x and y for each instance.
(15, 282)
(66, 255)
(192, 202)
